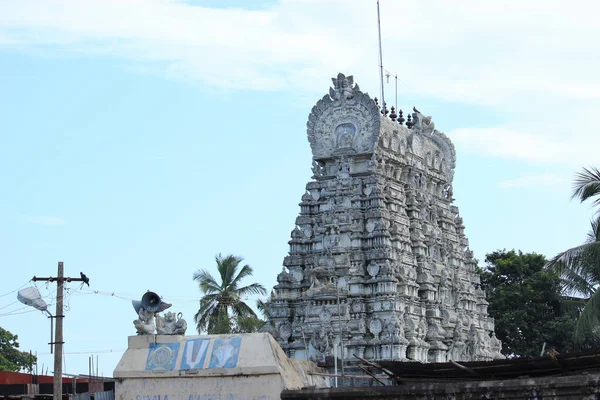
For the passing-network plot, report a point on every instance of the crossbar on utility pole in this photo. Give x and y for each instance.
(58, 339)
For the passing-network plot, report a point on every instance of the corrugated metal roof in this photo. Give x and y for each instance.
(497, 369)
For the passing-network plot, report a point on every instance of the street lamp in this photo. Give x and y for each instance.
(31, 297)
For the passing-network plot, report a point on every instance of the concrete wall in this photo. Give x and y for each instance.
(215, 367)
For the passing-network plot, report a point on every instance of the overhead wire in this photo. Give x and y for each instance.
(8, 305)
(13, 291)
(17, 309)
(87, 352)
(66, 302)
(17, 313)
(67, 298)
(130, 296)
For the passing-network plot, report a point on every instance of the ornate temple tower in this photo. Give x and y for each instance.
(378, 255)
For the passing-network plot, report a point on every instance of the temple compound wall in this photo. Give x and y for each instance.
(378, 261)
(211, 367)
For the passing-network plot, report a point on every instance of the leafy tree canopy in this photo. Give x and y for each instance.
(11, 358)
(526, 303)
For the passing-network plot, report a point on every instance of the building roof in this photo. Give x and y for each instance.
(559, 364)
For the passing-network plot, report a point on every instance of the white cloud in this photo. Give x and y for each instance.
(461, 50)
(548, 181)
(537, 63)
(503, 142)
(542, 147)
(45, 220)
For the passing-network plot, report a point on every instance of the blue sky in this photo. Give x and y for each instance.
(138, 139)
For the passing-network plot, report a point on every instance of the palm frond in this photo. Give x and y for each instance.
(208, 306)
(587, 185)
(241, 309)
(206, 282)
(572, 305)
(577, 264)
(591, 258)
(588, 319)
(227, 267)
(244, 272)
(574, 274)
(263, 308)
(594, 233)
(254, 288)
(576, 284)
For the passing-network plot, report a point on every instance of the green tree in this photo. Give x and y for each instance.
(579, 267)
(525, 301)
(248, 324)
(222, 308)
(11, 358)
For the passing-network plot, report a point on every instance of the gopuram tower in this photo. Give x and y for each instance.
(378, 254)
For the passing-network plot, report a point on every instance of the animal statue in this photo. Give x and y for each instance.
(423, 124)
(171, 324)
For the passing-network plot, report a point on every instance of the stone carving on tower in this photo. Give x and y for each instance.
(378, 253)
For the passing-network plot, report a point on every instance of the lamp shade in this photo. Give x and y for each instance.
(31, 296)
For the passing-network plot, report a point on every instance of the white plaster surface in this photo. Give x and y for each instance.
(262, 371)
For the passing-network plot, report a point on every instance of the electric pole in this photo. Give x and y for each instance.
(59, 316)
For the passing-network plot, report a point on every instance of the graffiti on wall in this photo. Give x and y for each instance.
(223, 354)
(162, 356)
(194, 353)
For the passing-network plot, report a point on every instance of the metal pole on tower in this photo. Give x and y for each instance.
(380, 59)
(396, 103)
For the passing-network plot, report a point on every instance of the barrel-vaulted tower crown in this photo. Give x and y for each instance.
(379, 261)
(348, 121)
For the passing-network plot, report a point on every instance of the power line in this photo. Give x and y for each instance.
(131, 296)
(17, 309)
(8, 305)
(6, 294)
(17, 313)
(71, 353)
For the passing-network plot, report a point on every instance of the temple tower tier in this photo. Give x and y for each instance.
(379, 264)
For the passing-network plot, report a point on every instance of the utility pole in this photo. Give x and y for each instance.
(58, 339)
(57, 392)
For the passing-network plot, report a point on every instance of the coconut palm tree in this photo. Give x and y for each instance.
(587, 185)
(222, 301)
(579, 267)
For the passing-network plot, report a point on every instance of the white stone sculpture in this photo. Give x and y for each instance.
(378, 230)
(144, 325)
(171, 324)
(148, 310)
